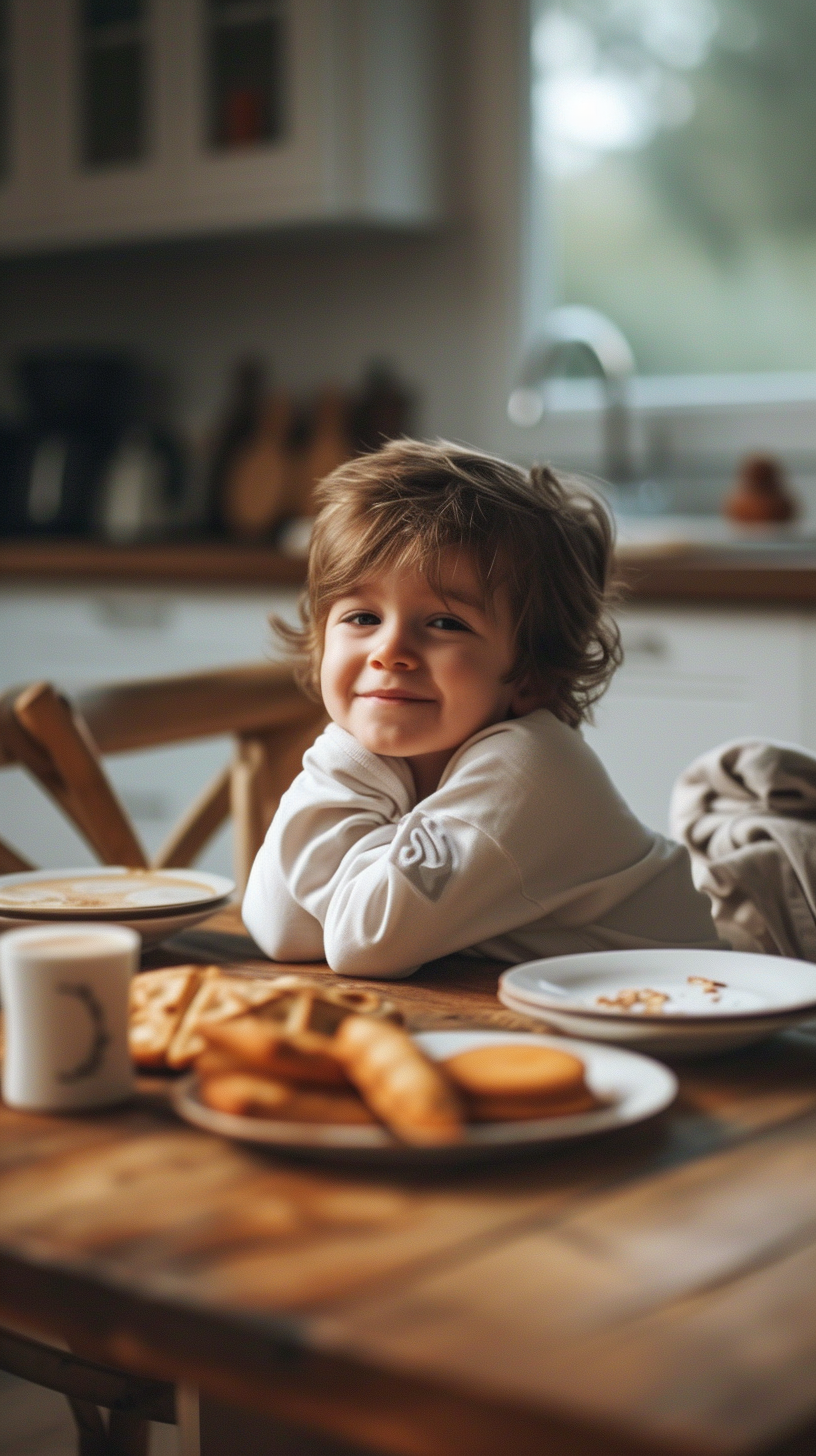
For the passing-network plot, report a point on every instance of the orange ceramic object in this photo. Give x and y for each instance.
(761, 493)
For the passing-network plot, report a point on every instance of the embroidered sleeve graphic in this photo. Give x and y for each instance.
(425, 856)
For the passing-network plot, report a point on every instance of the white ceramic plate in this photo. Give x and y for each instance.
(633, 1088)
(152, 929)
(108, 892)
(756, 995)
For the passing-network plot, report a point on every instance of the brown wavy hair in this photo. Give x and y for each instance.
(546, 539)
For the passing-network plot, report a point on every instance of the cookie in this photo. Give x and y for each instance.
(523, 1071)
(244, 1095)
(527, 1109)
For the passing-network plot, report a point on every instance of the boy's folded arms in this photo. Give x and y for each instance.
(470, 866)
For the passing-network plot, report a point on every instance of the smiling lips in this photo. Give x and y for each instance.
(395, 695)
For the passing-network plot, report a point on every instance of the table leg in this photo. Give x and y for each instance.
(188, 1420)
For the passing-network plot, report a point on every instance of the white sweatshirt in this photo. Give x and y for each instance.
(525, 849)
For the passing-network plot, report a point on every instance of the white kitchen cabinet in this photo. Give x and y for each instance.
(694, 678)
(78, 637)
(136, 119)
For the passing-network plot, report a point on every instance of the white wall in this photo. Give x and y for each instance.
(443, 307)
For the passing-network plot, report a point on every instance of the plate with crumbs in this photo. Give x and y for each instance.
(156, 903)
(678, 1002)
(628, 1088)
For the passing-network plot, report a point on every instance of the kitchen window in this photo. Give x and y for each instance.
(673, 156)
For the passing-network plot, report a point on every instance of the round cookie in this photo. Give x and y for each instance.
(523, 1071)
(530, 1109)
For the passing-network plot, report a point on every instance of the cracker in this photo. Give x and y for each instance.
(158, 1001)
(218, 999)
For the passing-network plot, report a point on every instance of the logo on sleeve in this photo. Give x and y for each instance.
(425, 856)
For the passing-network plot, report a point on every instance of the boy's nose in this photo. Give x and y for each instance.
(392, 652)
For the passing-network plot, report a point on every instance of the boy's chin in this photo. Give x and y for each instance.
(388, 743)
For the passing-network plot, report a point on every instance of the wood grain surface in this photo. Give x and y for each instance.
(651, 1290)
(700, 574)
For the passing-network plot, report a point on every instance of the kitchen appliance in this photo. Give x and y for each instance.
(77, 405)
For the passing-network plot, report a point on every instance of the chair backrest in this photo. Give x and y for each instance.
(61, 744)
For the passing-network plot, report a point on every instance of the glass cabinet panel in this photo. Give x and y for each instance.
(113, 98)
(245, 72)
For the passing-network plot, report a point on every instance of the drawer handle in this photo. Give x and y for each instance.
(134, 613)
(649, 647)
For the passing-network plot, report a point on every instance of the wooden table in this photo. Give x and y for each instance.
(651, 1290)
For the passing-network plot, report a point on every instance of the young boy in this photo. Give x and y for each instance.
(455, 624)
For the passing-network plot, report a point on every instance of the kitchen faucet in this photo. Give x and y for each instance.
(568, 330)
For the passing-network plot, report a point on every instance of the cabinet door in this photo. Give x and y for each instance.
(112, 160)
(691, 680)
(27, 119)
(301, 110)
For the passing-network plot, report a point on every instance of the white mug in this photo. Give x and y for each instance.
(65, 991)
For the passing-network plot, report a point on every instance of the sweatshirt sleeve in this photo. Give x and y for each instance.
(343, 796)
(392, 883)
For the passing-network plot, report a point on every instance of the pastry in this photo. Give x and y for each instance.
(258, 1043)
(409, 1093)
(247, 1095)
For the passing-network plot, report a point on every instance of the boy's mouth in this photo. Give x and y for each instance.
(395, 695)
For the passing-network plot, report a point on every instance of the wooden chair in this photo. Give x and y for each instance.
(130, 1401)
(61, 744)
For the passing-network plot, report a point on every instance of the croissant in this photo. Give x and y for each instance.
(409, 1093)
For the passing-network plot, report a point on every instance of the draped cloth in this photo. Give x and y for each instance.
(747, 813)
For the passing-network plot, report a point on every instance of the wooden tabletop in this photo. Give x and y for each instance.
(651, 1290)
(671, 574)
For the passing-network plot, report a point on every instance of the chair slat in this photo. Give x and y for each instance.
(198, 705)
(198, 825)
(10, 861)
(94, 806)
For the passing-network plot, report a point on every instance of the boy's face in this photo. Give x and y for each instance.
(412, 673)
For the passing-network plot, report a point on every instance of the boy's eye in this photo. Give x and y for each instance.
(448, 624)
(362, 619)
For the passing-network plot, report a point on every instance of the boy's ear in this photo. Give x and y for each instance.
(528, 694)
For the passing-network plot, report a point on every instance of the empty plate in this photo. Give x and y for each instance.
(680, 1002)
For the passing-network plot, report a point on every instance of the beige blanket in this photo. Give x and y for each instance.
(747, 813)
